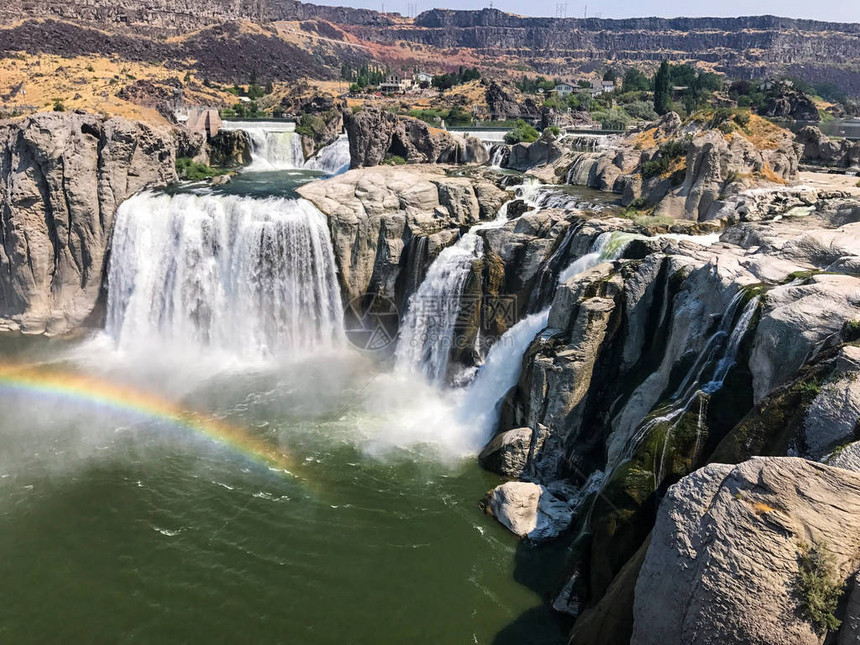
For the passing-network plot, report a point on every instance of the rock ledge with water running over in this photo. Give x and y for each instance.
(376, 213)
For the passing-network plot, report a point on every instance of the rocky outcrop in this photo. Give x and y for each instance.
(821, 149)
(544, 151)
(229, 149)
(724, 557)
(504, 103)
(376, 135)
(790, 104)
(62, 177)
(689, 171)
(377, 215)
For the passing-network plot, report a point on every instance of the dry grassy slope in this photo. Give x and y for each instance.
(91, 83)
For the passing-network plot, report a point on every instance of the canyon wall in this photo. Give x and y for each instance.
(62, 177)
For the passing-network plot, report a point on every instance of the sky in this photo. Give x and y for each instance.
(832, 10)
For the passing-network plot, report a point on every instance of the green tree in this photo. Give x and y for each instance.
(635, 81)
(662, 90)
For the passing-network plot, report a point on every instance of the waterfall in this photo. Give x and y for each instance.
(499, 152)
(606, 248)
(274, 145)
(254, 277)
(719, 353)
(481, 404)
(427, 330)
(333, 159)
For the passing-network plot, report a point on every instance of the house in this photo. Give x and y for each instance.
(607, 86)
(393, 83)
(564, 89)
(422, 77)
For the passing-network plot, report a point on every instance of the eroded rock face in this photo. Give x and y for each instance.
(376, 134)
(229, 149)
(376, 214)
(725, 548)
(818, 148)
(508, 452)
(62, 177)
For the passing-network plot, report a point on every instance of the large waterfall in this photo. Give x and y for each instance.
(255, 277)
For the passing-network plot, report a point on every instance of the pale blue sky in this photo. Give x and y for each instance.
(833, 10)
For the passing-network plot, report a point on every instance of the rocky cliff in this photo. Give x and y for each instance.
(377, 136)
(744, 47)
(62, 177)
(759, 518)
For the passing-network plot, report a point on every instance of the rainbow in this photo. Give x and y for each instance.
(101, 393)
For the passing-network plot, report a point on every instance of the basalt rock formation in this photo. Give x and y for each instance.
(791, 104)
(690, 170)
(229, 149)
(376, 135)
(62, 177)
(387, 223)
(758, 518)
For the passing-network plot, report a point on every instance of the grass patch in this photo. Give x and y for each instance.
(394, 160)
(192, 170)
(649, 221)
(818, 587)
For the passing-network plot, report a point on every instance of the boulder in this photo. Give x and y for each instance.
(724, 554)
(528, 510)
(62, 178)
(508, 452)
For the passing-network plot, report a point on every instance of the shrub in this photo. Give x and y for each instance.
(655, 168)
(59, 106)
(615, 119)
(554, 130)
(522, 132)
(394, 160)
(641, 110)
(189, 169)
(818, 588)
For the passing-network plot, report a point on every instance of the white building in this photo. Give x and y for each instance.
(422, 77)
(393, 83)
(564, 89)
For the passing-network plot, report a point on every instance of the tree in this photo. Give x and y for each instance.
(610, 75)
(662, 90)
(635, 81)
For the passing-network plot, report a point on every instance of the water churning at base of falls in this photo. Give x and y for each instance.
(254, 277)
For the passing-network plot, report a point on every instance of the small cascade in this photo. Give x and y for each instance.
(718, 356)
(333, 159)
(274, 145)
(251, 277)
(498, 154)
(606, 248)
(427, 329)
(481, 404)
